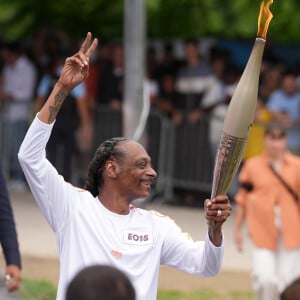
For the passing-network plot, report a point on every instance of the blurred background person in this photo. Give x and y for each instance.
(111, 86)
(215, 102)
(16, 95)
(194, 79)
(270, 81)
(99, 64)
(9, 239)
(168, 99)
(284, 105)
(168, 64)
(268, 199)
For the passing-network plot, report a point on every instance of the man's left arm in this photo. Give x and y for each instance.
(202, 258)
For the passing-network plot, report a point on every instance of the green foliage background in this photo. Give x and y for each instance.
(165, 18)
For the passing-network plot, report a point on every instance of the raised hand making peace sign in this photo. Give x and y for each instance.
(76, 68)
(75, 71)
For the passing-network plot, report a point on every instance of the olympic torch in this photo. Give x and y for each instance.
(240, 114)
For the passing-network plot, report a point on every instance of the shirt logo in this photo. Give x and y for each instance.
(137, 237)
(116, 254)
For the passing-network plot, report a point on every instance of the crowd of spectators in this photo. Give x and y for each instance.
(183, 89)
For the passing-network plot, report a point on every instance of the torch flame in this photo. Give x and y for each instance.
(264, 19)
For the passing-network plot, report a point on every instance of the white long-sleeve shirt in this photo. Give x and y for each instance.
(87, 233)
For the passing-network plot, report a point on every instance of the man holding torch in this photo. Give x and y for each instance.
(98, 225)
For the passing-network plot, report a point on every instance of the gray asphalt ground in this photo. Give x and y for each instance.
(37, 240)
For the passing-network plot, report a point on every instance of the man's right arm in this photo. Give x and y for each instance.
(48, 188)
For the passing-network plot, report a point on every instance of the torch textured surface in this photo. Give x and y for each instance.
(228, 158)
(238, 122)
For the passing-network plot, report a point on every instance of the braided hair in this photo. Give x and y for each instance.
(104, 152)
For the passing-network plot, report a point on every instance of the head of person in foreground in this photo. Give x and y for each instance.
(100, 282)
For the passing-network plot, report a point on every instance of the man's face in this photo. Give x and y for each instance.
(135, 174)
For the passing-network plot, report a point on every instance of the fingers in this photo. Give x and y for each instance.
(82, 57)
(76, 59)
(91, 49)
(86, 42)
(240, 247)
(221, 202)
(14, 286)
(218, 209)
(221, 199)
(239, 243)
(86, 51)
(13, 277)
(12, 282)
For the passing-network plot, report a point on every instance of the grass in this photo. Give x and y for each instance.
(44, 290)
(204, 294)
(37, 290)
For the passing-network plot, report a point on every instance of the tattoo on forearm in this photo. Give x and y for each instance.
(58, 101)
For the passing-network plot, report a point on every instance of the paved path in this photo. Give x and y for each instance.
(37, 240)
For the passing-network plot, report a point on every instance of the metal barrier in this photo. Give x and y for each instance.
(193, 159)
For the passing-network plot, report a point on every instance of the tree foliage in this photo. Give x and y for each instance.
(19, 18)
(165, 18)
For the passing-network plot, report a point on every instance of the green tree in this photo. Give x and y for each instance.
(165, 18)
(19, 18)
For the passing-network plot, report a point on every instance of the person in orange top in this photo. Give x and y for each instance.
(272, 212)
